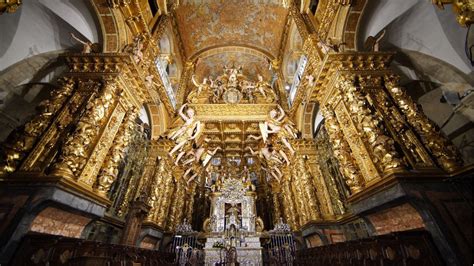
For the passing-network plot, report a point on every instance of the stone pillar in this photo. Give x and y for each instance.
(443, 151)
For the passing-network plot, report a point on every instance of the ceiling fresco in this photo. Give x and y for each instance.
(252, 65)
(250, 23)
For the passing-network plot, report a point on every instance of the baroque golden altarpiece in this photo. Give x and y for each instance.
(232, 126)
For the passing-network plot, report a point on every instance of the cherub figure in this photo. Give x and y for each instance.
(86, 45)
(189, 131)
(202, 86)
(281, 126)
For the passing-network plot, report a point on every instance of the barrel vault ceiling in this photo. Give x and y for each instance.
(231, 32)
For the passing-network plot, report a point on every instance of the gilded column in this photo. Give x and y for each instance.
(309, 191)
(79, 145)
(413, 149)
(180, 198)
(109, 171)
(165, 198)
(342, 152)
(288, 204)
(183, 83)
(190, 203)
(299, 196)
(176, 206)
(321, 190)
(156, 191)
(21, 141)
(370, 124)
(444, 152)
(276, 207)
(146, 179)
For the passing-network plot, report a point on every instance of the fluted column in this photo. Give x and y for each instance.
(444, 152)
(21, 141)
(109, 171)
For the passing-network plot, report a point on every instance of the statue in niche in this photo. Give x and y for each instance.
(185, 134)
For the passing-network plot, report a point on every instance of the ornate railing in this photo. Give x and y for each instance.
(42, 249)
(403, 248)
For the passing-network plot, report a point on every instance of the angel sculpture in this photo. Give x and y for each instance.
(271, 153)
(202, 86)
(217, 91)
(86, 45)
(265, 89)
(271, 159)
(281, 126)
(137, 50)
(201, 155)
(372, 43)
(185, 134)
(248, 89)
(194, 171)
(199, 160)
